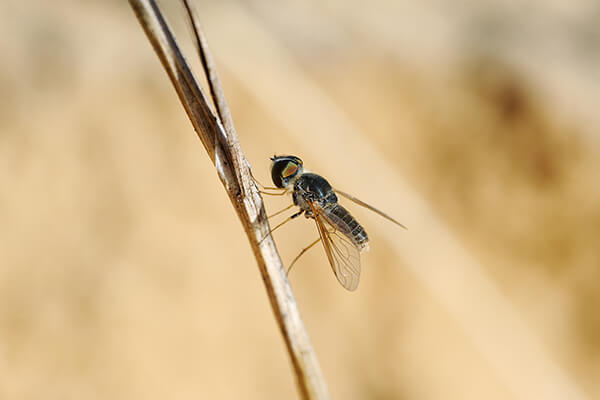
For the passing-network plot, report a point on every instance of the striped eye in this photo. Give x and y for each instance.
(289, 170)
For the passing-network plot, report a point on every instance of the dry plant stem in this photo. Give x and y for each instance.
(221, 143)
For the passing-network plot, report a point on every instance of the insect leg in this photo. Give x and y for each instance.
(288, 219)
(265, 187)
(273, 194)
(299, 255)
(280, 211)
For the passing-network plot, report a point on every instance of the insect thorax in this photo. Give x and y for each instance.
(314, 188)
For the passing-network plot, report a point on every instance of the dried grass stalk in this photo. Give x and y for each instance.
(220, 140)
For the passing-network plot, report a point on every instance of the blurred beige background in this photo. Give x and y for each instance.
(124, 273)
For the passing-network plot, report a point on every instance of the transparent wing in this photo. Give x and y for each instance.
(343, 255)
(370, 207)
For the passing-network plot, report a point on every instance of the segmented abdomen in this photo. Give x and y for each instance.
(342, 220)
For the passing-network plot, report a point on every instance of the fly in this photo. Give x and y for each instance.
(342, 236)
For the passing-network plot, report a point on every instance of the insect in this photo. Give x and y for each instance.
(343, 238)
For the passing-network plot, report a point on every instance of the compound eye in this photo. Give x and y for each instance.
(289, 170)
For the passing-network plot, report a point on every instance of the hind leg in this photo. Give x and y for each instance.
(304, 250)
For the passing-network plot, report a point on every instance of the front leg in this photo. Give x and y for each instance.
(297, 214)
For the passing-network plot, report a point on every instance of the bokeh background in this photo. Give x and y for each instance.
(125, 274)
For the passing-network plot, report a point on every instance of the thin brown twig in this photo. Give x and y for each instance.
(220, 140)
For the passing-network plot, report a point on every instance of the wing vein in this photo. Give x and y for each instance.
(343, 255)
